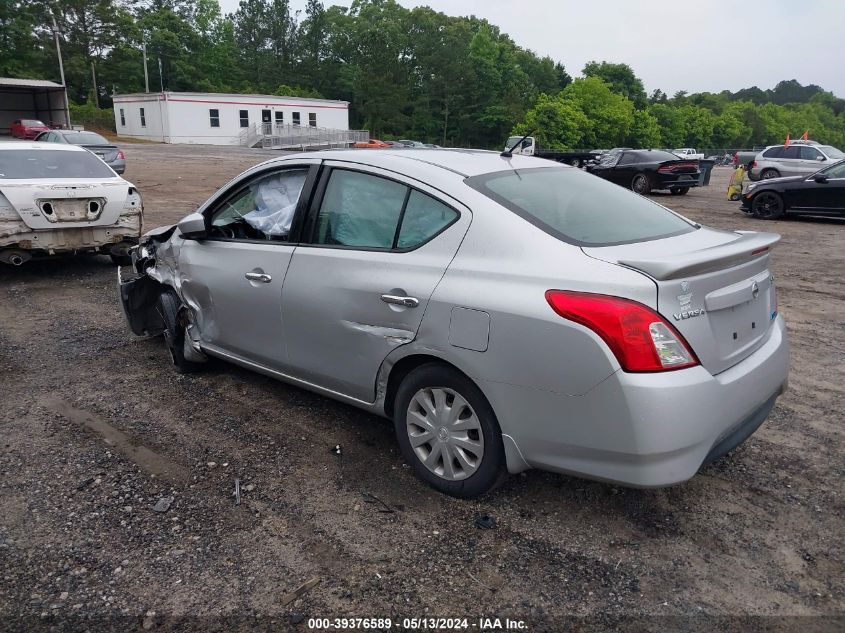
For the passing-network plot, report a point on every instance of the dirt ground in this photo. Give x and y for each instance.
(97, 429)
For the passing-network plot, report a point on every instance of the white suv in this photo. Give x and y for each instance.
(800, 158)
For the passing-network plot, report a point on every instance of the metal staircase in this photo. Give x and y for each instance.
(299, 137)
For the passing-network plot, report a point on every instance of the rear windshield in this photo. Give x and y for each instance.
(32, 122)
(40, 164)
(579, 208)
(85, 138)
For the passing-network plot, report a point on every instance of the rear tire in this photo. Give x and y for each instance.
(457, 443)
(641, 184)
(174, 333)
(767, 205)
(766, 174)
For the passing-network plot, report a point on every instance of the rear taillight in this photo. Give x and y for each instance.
(753, 164)
(120, 154)
(641, 339)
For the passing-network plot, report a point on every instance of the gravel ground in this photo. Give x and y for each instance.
(97, 431)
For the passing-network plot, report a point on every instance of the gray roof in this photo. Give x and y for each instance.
(11, 82)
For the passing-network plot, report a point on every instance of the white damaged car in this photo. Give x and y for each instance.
(58, 199)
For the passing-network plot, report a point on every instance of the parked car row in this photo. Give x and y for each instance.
(403, 144)
(644, 170)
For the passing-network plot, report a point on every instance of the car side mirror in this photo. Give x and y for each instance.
(192, 227)
(820, 178)
(820, 158)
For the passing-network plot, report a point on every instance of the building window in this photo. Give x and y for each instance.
(122, 118)
(296, 118)
(214, 117)
(143, 118)
(312, 119)
(280, 118)
(244, 118)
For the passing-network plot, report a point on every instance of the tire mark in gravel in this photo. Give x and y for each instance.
(146, 459)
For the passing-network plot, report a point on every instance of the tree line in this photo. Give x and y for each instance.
(418, 73)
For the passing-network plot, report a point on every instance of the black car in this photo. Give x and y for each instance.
(823, 193)
(645, 169)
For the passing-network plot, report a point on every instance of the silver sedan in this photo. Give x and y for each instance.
(505, 312)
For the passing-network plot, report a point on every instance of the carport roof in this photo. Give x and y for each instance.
(12, 82)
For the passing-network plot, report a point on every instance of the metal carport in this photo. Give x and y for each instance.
(32, 99)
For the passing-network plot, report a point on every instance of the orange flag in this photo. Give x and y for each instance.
(806, 136)
(787, 140)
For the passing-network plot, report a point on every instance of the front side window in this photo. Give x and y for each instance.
(312, 119)
(296, 118)
(214, 117)
(244, 117)
(261, 210)
(809, 153)
(835, 171)
(143, 118)
(51, 163)
(122, 118)
(793, 151)
(628, 159)
(360, 210)
(578, 208)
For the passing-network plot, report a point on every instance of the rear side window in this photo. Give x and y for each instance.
(424, 218)
(793, 151)
(48, 163)
(579, 208)
(773, 152)
(360, 210)
(365, 211)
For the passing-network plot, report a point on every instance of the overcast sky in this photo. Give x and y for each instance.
(703, 45)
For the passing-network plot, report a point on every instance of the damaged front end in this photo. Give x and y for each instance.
(150, 295)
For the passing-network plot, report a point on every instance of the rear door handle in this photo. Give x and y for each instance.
(408, 302)
(262, 277)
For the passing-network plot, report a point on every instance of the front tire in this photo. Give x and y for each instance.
(767, 205)
(641, 184)
(448, 432)
(174, 333)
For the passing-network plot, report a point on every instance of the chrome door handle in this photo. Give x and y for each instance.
(262, 277)
(408, 302)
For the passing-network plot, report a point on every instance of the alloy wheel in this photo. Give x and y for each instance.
(640, 184)
(445, 433)
(768, 205)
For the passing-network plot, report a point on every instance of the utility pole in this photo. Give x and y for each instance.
(160, 76)
(94, 81)
(61, 68)
(146, 74)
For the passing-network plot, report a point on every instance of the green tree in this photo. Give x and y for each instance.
(645, 130)
(620, 78)
(555, 123)
(610, 115)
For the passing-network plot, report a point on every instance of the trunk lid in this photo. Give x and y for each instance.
(714, 287)
(107, 152)
(66, 203)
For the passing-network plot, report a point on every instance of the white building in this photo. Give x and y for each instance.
(230, 119)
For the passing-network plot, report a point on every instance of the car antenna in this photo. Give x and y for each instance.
(508, 153)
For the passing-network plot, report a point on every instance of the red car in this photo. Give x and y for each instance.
(373, 143)
(28, 128)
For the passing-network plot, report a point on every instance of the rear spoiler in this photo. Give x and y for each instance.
(749, 245)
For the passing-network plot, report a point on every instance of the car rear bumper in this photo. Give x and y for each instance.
(681, 180)
(644, 430)
(68, 239)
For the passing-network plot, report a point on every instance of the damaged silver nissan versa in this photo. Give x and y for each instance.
(57, 199)
(506, 312)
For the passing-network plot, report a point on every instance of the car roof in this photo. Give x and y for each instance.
(464, 162)
(15, 145)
